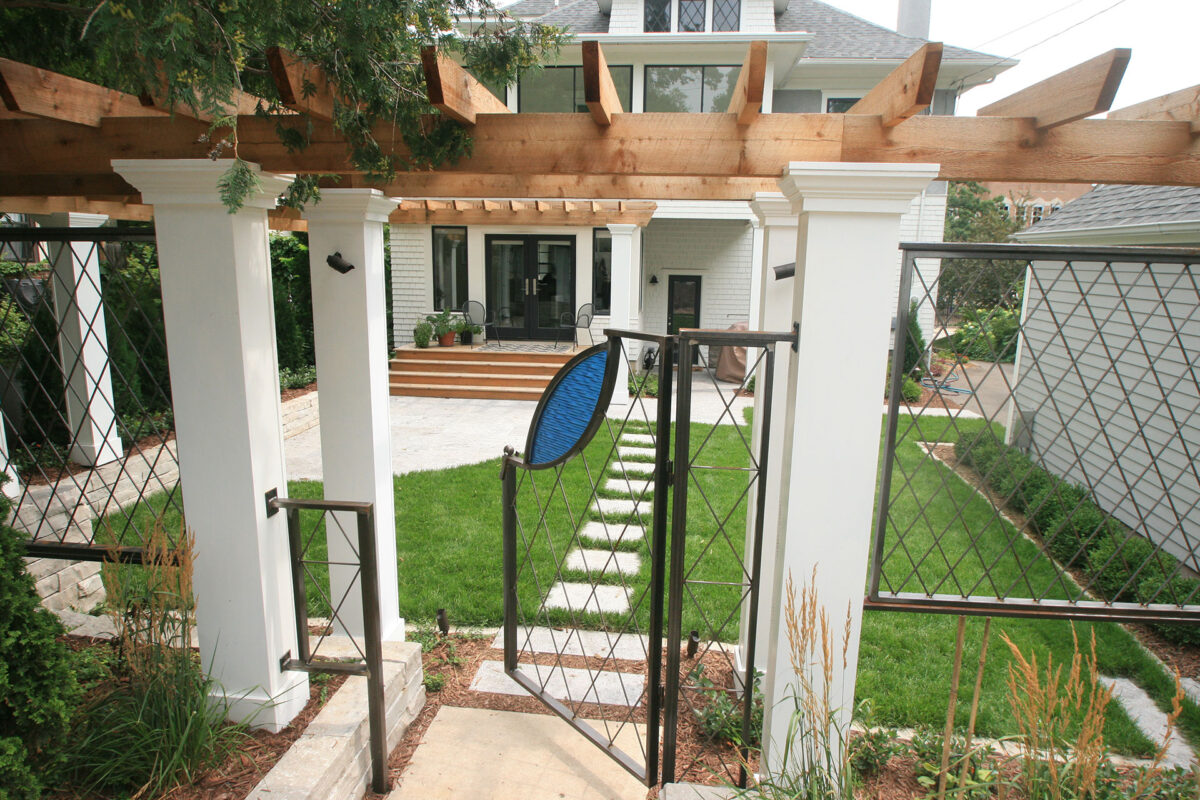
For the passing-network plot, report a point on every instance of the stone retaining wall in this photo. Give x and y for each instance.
(300, 414)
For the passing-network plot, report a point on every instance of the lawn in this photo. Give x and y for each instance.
(449, 552)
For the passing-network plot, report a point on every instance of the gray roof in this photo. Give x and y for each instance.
(836, 33)
(1109, 206)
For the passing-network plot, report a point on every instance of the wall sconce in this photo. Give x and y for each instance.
(653, 280)
(340, 264)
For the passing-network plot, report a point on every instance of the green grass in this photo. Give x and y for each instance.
(449, 548)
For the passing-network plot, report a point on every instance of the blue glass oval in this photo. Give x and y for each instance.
(567, 411)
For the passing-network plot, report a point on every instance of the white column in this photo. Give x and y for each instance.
(757, 241)
(350, 323)
(12, 486)
(625, 276)
(848, 233)
(83, 343)
(776, 232)
(220, 322)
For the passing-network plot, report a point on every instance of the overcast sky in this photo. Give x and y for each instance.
(1164, 36)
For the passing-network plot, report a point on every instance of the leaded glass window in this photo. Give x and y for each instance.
(657, 16)
(691, 15)
(726, 15)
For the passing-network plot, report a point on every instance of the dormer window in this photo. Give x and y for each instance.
(691, 16)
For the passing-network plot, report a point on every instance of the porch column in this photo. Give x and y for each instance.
(12, 486)
(350, 322)
(220, 322)
(83, 342)
(625, 275)
(758, 240)
(849, 229)
(776, 227)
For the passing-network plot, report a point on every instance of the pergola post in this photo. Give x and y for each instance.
(219, 312)
(849, 230)
(626, 274)
(350, 324)
(83, 342)
(771, 311)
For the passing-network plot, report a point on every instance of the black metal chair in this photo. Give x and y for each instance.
(580, 320)
(474, 313)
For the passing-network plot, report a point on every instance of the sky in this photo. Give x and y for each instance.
(1163, 34)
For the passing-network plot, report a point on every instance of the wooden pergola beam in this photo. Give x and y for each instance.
(116, 209)
(35, 92)
(454, 91)
(1180, 106)
(747, 99)
(1077, 93)
(599, 91)
(539, 212)
(240, 103)
(302, 87)
(906, 91)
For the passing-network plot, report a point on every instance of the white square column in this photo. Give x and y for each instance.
(83, 343)
(350, 324)
(848, 233)
(771, 310)
(220, 321)
(626, 275)
(12, 486)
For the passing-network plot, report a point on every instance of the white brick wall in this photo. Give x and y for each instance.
(412, 278)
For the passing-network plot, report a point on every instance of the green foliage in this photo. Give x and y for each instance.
(910, 390)
(871, 750)
(442, 323)
(974, 216)
(989, 334)
(1112, 561)
(914, 344)
(422, 333)
(37, 690)
(435, 682)
(41, 377)
(645, 384)
(209, 49)
(720, 714)
(1177, 590)
(296, 378)
(238, 183)
(292, 287)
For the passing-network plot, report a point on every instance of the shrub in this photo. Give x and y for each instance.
(37, 689)
(422, 333)
(646, 384)
(1177, 590)
(1008, 473)
(978, 451)
(296, 378)
(1060, 501)
(988, 335)
(1118, 554)
(910, 390)
(871, 750)
(914, 344)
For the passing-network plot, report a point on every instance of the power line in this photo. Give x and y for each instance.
(1028, 24)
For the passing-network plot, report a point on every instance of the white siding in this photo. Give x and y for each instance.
(626, 16)
(758, 15)
(924, 222)
(1109, 393)
(412, 278)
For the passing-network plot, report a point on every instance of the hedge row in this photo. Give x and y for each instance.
(1077, 532)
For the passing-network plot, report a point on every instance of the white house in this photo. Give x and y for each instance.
(692, 261)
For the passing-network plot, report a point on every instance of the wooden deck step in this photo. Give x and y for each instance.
(475, 367)
(466, 392)
(406, 378)
(468, 372)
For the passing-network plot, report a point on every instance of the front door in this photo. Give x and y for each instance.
(683, 306)
(530, 283)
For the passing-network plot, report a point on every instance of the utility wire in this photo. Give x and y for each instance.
(1027, 24)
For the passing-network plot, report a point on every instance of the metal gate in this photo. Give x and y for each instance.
(631, 579)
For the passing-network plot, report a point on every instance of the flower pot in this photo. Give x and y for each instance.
(446, 339)
(466, 337)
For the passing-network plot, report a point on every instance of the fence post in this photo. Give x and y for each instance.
(219, 313)
(350, 329)
(849, 226)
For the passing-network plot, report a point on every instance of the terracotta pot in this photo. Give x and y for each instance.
(447, 340)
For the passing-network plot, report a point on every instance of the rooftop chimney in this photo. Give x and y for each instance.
(913, 19)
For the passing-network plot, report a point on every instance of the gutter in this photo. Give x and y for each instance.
(1184, 231)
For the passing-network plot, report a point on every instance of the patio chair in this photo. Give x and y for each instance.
(581, 319)
(474, 313)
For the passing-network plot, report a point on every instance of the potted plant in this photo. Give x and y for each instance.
(422, 334)
(443, 327)
(467, 332)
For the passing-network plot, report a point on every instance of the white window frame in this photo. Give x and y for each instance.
(708, 17)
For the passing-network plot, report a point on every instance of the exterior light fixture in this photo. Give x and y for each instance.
(340, 264)
(653, 280)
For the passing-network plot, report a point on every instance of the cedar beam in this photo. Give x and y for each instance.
(747, 99)
(41, 93)
(1079, 92)
(293, 77)
(240, 103)
(454, 91)
(599, 91)
(1180, 106)
(906, 91)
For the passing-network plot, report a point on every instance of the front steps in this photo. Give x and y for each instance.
(471, 372)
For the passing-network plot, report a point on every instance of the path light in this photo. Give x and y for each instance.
(693, 644)
(340, 264)
(443, 622)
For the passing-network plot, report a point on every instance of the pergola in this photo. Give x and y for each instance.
(70, 146)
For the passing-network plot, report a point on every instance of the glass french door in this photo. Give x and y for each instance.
(530, 283)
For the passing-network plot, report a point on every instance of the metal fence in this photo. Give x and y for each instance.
(1040, 453)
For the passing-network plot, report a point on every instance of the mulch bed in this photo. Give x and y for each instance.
(291, 394)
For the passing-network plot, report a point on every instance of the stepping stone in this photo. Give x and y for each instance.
(603, 562)
(635, 452)
(586, 598)
(632, 467)
(1191, 687)
(608, 507)
(574, 642)
(627, 485)
(1149, 718)
(612, 533)
(638, 438)
(565, 683)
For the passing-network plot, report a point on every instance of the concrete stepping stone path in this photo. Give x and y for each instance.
(1150, 719)
(609, 507)
(632, 468)
(586, 598)
(565, 683)
(611, 533)
(635, 452)
(638, 486)
(574, 642)
(603, 562)
(638, 438)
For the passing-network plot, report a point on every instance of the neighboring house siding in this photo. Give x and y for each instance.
(924, 222)
(412, 278)
(720, 251)
(1117, 424)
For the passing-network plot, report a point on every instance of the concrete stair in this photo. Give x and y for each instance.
(469, 372)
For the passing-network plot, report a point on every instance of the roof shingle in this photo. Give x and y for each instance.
(1108, 206)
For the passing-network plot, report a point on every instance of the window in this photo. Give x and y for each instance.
(602, 270)
(840, 105)
(449, 268)
(657, 16)
(725, 15)
(690, 89)
(560, 89)
(691, 15)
